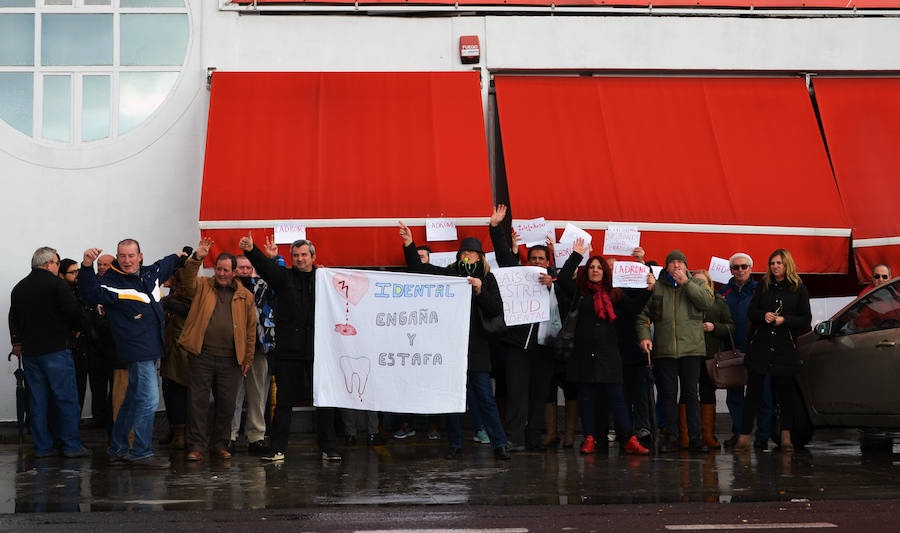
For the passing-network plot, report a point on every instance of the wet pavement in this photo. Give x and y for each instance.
(837, 465)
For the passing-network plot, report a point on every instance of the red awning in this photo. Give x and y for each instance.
(861, 118)
(346, 154)
(709, 166)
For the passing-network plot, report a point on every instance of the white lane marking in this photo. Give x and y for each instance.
(497, 530)
(781, 525)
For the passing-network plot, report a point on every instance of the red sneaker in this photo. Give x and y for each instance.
(588, 445)
(634, 447)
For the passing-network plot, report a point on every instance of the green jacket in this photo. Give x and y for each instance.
(677, 317)
(720, 316)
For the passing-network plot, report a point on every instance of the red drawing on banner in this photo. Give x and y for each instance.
(352, 288)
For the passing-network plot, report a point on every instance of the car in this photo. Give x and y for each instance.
(850, 374)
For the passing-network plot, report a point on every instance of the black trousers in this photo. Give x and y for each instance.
(528, 377)
(293, 383)
(636, 383)
(686, 372)
(785, 398)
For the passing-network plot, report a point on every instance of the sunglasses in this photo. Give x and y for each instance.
(740, 267)
(879, 276)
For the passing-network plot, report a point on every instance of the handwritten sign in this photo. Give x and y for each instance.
(525, 300)
(621, 239)
(630, 274)
(533, 232)
(288, 233)
(561, 253)
(440, 229)
(573, 232)
(380, 337)
(719, 270)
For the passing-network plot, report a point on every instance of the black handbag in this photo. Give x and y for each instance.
(495, 326)
(564, 343)
(726, 368)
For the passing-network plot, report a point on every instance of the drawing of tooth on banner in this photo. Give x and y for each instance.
(356, 372)
(352, 288)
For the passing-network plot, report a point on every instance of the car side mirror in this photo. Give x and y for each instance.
(824, 328)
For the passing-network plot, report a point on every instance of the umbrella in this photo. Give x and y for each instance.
(21, 398)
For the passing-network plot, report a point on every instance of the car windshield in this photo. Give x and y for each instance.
(879, 309)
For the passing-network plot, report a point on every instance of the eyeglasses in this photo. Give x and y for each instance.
(879, 276)
(740, 267)
(70, 272)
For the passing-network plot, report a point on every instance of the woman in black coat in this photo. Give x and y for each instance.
(486, 303)
(779, 308)
(596, 366)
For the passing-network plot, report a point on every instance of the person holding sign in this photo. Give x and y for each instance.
(292, 361)
(529, 365)
(596, 365)
(717, 325)
(486, 304)
(779, 308)
(676, 310)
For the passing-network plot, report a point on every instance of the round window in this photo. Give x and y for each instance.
(85, 71)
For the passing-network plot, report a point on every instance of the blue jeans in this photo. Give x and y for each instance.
(138, 411)
(479, 388)
(49, 377)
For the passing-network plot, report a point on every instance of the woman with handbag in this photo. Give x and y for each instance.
(717, 327)
(486, 320)
(779, 307)
(595, 364)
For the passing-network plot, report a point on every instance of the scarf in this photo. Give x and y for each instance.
(603, 306)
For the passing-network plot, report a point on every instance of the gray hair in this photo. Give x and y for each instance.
(740, 255)
(42, 256)
(303, 242)
(890, 272)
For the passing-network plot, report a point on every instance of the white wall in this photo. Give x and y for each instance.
(147, 184)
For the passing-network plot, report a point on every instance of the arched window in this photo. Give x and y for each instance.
(83, 71)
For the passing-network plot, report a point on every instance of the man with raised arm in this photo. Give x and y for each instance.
(130, 294)
(292, 361)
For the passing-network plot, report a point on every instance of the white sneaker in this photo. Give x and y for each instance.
(272, 457)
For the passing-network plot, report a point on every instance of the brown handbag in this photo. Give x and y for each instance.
(726, 368)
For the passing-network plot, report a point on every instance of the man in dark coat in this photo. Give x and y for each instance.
(43, 314)
(292, 360)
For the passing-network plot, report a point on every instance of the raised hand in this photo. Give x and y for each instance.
(580, 247)
(405, 234)
(498, 214)
(271, 248)
(203, 248)
(91, 255)
(515, 242)
(246, 243)
(638, 254)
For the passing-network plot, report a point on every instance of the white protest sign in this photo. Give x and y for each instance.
(656, 270)
(719, 270)
(440, 229)
(388, 341)
(620, 239)
(288, 233)
(442, 259)
(573, 232)
(525, 300)
(630, 274)
(533, 232)
(491, 259)
(561, 253)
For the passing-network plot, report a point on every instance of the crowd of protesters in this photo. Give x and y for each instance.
(231, 334)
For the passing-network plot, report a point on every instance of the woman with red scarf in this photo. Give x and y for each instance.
(596, 366)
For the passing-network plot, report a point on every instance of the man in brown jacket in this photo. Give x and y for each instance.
(220, 333)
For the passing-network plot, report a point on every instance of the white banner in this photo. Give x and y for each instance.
(440, 229)
(525, 300)
(533, 232)
(573, 232)
(443, 259)
(388, 341)
(288, 233)
(561, 253)
(719, 269)
(620, 239)
(630, 274)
